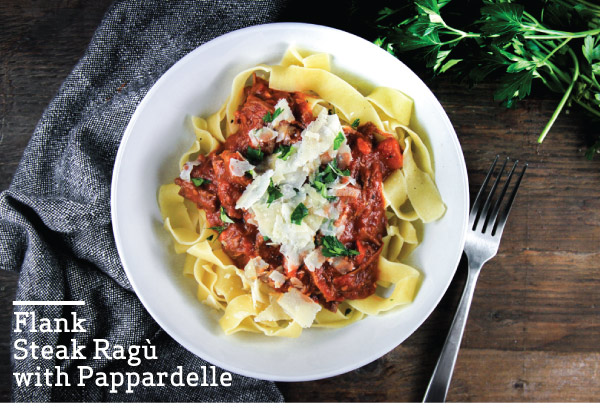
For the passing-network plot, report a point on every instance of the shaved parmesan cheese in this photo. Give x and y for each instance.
(253, 269)
(285, 115)
(302, 309)
(274, 221)
(314, 260)
(342, 264)
(239, 168)
(287, 191)
(341, 182)
(344, 155)
(315, 201)
(273, 312)
(263, 134)
(292, 177)
(347, 192)
(278, 278)
(327, 228)
(255, 190)
(187, 169)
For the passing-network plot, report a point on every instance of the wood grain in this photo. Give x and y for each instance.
(533, 332)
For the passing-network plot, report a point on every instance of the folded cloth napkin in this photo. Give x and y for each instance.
(55, 225)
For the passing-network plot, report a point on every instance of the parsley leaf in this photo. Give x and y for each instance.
(299, 213)
(224, 217)
(210, 237)
(265, 238)
(502, 20)
(515, 85)
(255, 156)
(268, 118)
(328, 175)
(219, 229)
(322, 189)
(348, 311)
(273, 193)
(332, 247)
(338, 140)
(590, 52)
(285, 152)
(355, 123)
(333, 166)
(199, 181)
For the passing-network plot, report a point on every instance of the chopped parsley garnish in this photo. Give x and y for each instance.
(285, 152)
(332, 247)
(273, 193)
(355, 123)
(224, 217)
(322, 189)
(265, 238)
(199, 181)
(254, 156)
(299, 213)
(348, 311)
(328, 175)
(219, 229)
(210, 237)
(268, 118)
(339, 139)
(333, 166)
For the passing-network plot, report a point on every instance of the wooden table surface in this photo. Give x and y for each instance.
(533, 332)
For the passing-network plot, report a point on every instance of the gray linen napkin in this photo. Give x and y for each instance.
(55, 226)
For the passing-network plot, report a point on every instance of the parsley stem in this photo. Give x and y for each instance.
(567, 79)
(564, 99)
(555, 70)
(562, 76)
(461, 33)
(458, 38)
(591, 80)
(583, 2)
(554, 51)
(553, 34)
(530, 17)
(587, 107)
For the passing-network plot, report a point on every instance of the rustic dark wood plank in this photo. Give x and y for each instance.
(40, 42)
(525, 376)
(533, 330)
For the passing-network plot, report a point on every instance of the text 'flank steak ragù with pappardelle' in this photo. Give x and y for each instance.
(297, 199)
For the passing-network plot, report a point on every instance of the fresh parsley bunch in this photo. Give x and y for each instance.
(552, 42)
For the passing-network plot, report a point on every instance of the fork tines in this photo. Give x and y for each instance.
(481, 218)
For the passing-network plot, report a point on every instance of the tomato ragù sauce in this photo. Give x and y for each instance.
(374, 156)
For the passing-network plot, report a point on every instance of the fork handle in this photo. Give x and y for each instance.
(440, 380)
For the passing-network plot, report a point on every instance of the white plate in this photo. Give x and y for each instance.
(158, 134)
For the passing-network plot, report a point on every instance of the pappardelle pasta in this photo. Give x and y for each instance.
(298, 197)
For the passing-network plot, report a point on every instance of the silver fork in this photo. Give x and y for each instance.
(483, 238)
